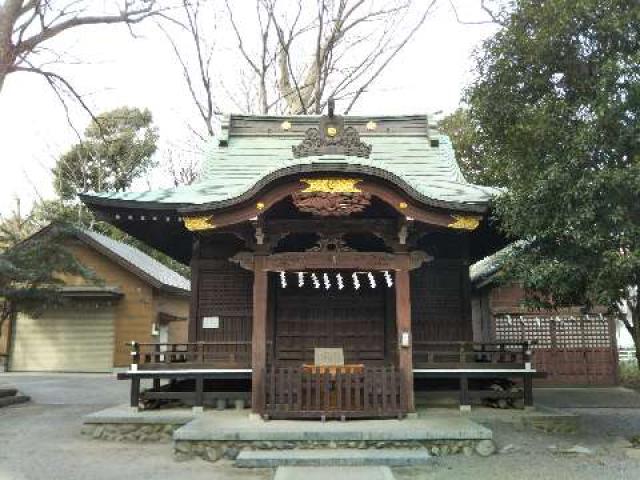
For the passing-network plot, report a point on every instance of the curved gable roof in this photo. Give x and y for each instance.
(251, 148)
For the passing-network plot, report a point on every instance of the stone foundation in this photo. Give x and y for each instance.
(130, 432)
(213, 451)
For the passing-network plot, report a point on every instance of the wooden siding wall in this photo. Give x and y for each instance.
(440, 301)
(134, 313)
(225, 290)
(5, 331)
(176, 306)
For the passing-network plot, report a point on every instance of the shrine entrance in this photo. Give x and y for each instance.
(332, 313)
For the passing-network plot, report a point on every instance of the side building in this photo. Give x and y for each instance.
(138, 299)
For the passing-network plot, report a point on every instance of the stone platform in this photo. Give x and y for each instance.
(231, 425)
(214, 434)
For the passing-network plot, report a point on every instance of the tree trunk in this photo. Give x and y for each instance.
(9, 13)
(634, 319)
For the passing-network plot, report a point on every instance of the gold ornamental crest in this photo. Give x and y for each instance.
(196, 224)
(331, 185)
(465, 222)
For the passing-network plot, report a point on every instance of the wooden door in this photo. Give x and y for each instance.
(306, 318)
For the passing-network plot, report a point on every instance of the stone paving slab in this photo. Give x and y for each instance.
(231, 425)
(334, 473)
(126, 414)
(588, 397)
(332, 458)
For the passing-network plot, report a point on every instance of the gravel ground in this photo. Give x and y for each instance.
(41, 440)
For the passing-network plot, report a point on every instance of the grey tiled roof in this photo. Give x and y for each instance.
(482, 272)
(154, 271)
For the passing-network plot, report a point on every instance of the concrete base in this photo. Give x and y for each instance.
(233, 425)
(332, 458)
(125, 414)
(197, 410)
(334, 473)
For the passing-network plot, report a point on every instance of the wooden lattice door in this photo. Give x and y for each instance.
(308, 318)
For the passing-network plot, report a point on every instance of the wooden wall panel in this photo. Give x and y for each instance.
(225, 290)
(440, 302)
(309, 318)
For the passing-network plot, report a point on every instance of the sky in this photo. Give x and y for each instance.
(111, 68)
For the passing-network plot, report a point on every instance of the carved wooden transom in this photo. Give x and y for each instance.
(330, 244)
(331, 204)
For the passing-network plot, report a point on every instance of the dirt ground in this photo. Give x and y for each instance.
(41, 440)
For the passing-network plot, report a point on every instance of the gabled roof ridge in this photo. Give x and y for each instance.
(136, 261)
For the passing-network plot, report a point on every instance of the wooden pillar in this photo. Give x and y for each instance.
(134, 397)
(192, 331)
(403, 326)
(259, 336)
(527, 386)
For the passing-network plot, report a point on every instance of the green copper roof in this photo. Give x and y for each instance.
(250, 148)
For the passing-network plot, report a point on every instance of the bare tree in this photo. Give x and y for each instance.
(195, 56)
(183, 167)
(28, 26)
(495, 11)
(302, 56)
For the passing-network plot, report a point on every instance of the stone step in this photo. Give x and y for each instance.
(332, 457)
(6, 401)
(334, 473)
(8, 392)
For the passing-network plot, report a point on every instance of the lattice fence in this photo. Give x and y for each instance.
(570, 349)
(587, 331)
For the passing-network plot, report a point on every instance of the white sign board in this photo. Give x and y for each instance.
(210, 322)
(328, 356)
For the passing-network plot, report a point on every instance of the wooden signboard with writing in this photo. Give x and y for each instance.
(328, 356)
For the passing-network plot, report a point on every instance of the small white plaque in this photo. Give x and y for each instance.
(404, 339)
(210, 322)
(328, 356)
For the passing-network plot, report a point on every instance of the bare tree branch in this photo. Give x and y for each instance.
(26, 26)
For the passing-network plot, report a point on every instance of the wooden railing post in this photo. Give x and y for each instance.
(135, 355)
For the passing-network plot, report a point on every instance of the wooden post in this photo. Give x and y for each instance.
(527, 384)
(199, 393)
(192, 332)
(135, 391)
(464, 393)
(259, 335)
(403, 326)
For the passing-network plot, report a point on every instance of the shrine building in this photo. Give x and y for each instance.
(329, 268)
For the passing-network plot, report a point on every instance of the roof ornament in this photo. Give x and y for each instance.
(331, 138)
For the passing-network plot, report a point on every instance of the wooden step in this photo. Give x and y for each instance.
(15, 399)
(396, 457)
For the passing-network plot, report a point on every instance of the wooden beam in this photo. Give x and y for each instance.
(259, 336)
(301, 261)
(261, 202)
(403, 326)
